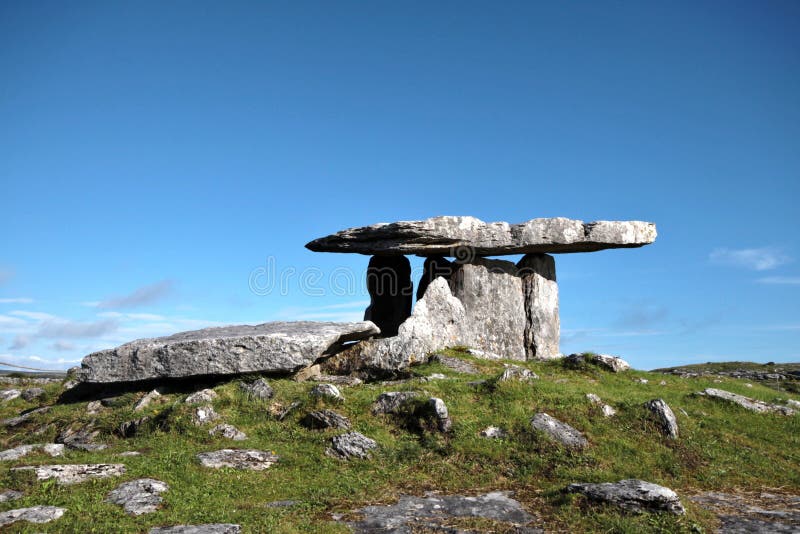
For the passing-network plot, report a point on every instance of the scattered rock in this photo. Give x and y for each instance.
(137, 497)
(10, 495)
(793, 403)
(454, 364)
(328, 391)
(128, 429)
(215, 528)
(607, 410)
(24, 416)
(281, 412)
(34, 514)
(341, 380)
(204, 414)
(515, 372)
(281, 504)
(53, 449)
(201, 397)
(351, 445)
(558, 431)
(249, 459)
(435, 513)
(753, 513)
(433, 376)
(32, 394)
(74, 473)
(662, 383)
(614, 364)
(258, 389)
(94, 407)
(438, 409)
(145, 401)
(664, 416)
(129, 454)
(80, 436)
(325, 419)
(746, 402)
(392, 401)
(228, 431)
(632, 495)
(228, 350)
(494, 432)
(641, 380)
(9, 394)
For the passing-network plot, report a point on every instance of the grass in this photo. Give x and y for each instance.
(722, 447)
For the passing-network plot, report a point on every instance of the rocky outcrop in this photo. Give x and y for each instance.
(746, 402)
(325, 419)
(32, 394)
(278, 347)
(228, 431)
(74, 473)
(351, 445)
(34, 514)
(444, 236)
(257, 389)
(245, 459)
(558, 431)
(615, 364)
(664, 417)
(137, 497)
(632, 495)
(390, 291)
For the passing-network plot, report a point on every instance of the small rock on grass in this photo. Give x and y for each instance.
(664, 417)
(494, 432)
(438, 409)
(9, 394)
(607, 410)
(325, 390)
(351, 445)
(32, 394)
(249, 459)
(455, 364)
(74, 473)
(515, 372)
(145, 401)
(128, 429)
(53, 449)
(10, 495)
(257, 389)
(137, 497)
(202, 396)
(228, 431)
(215, 528)
(204, 414)
(558, 431)
(632, 495)
(746, 402)
(34, 514)
(324, 419)
(392, 401)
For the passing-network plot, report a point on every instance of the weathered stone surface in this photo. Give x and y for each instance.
(793, 403)
(211, 528)
(746, 402)
(137, 497)
(612, 363)
(752, 513)
(32, 394)
(607, 410)
(446, 236)
(494, 432)
(34, 514)
(326, 391)
(94, 407)
(80, 436)
(204, 396)
(128, 429)
(434, 325)
(390, 291)
(664, 417)
(10, 495)
(540, 293)
(53, 449)
(558, 431)
(228, 431)
(257, 389)
(494, 306)
(515, 372)
(324, 419)
(24, 416)
(204, 414)
(392, 401)
(9, 394)
(455, 364)
(435, 513)
(351, 445)
(438, 409)
(145, 401)
(74, 473)
(338, 380)
(249, 459)
(632, 495)
(227, 350)
(433, 268)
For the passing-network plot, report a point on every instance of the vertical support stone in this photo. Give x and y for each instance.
(540, 291)
(433, 267)
(390, 291)
(491, 293)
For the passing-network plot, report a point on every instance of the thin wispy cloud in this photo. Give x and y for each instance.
(62, 328)
(780, 280)
(756, 259)
(62, 346)
(20, 342)
(16, 300)
(144, 295)
(36, 316)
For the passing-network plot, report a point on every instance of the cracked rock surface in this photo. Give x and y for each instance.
(137, 497)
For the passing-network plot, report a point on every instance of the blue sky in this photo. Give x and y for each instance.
(157, 157)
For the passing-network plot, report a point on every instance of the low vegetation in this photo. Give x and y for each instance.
(721, 447)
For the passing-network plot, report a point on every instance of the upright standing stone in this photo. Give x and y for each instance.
(540, 293)
(433, 267)
(390, 290)
(494, 308)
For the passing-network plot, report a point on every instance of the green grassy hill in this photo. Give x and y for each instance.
(721, 447)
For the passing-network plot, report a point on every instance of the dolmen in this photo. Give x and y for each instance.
(500, 308)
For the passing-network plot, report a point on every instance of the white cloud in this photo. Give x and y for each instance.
(36, 316)
(780, 280)
(141, 296)
(757, 259)
(17, 300)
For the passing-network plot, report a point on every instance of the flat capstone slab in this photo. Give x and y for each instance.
(467, 237)
(279, 347)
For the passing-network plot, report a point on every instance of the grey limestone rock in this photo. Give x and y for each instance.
(9, 394)
(228, 431)
(10, 495)
(245, 459)
(211, 528)
(145, 401)
(515, 372)
(494, 432)
(325, 419)
(449, 236)
(32, 394)
(53, 449)
(74, 473)
(540, 293)
(128, 429)
(455, 364)
(351, 445)
(746, 402)
(204, 414)
(80, 436)
(326, 391)
(257, 389)
(34, 514)
(611, 363)
(392, 401)
(23, 417)
(558, 431)
(632, 495)
(203, 396)
(664, 417)
(227, 350)
(438, 409)
(137, 497)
